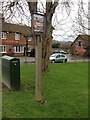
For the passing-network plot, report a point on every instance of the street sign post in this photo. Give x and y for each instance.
(38, 24)
(38, 30)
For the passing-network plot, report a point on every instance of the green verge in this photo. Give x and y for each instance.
(65, 90)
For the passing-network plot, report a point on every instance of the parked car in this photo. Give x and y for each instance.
(59, 51)
(31, 53)
(58, 57)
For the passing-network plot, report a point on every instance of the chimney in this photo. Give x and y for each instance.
(2, 19)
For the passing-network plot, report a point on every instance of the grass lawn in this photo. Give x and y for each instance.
(65, 87)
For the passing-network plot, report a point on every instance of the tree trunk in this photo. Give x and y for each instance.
(32, 6)
(50, 9)
(46, 47)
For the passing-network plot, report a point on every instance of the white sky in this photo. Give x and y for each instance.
(63, 31)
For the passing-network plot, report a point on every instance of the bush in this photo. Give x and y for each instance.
(55, 45)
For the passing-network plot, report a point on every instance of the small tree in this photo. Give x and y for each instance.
(55, 45)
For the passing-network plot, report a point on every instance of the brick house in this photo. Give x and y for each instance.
(13, 38)
(80, 44)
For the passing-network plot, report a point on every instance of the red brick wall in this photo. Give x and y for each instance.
(10, 42)
(78, 50)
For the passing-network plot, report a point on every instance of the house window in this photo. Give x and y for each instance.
(3, 49)
(17, 36)
(18, 49)
(79, 43)
(3, 35)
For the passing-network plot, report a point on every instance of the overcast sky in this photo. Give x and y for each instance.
(65, 28)
(64, 25)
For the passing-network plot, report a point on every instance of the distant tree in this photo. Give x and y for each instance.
(55, 45)
(65, 45)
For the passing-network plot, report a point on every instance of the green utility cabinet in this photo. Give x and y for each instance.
(11, 72)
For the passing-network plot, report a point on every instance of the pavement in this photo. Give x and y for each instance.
(26, 59)
(79, 60)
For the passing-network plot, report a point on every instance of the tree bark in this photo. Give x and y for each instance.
(50, 9)
(32, 6)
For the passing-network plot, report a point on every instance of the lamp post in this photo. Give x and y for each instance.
(27, 37)
(38, 30)
(26, 49)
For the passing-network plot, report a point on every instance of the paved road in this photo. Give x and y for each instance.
(32, 60)
(27, 59)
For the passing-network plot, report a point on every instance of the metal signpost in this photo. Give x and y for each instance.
(26, 49)
(38, 30)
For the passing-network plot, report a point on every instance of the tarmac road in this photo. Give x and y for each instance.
(32, 60)
(27, 59)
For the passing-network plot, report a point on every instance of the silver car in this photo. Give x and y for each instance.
(58, 57)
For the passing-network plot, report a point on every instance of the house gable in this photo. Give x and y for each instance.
(84, 38)
(80, 44)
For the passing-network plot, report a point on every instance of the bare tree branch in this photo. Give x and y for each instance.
(32, 6)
